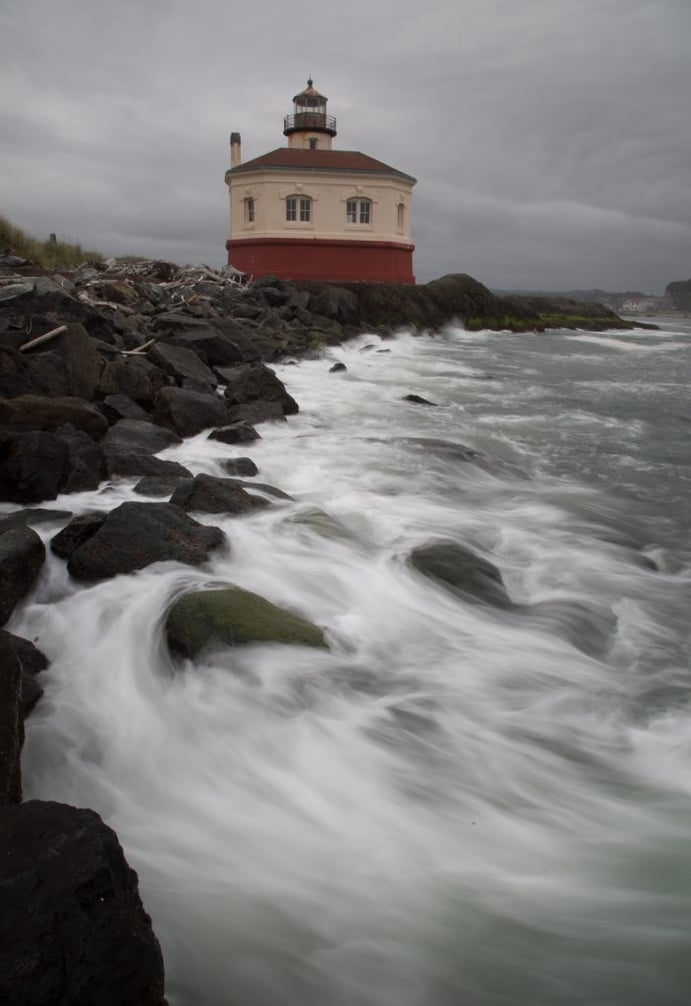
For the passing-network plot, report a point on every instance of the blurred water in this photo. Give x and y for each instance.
(454, 804)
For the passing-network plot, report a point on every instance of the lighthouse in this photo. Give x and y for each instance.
(308, 211)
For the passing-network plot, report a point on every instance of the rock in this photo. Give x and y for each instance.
(33, 516)
(337, 368)
(11, 731)
(137, 436)
(22, 554)
(142, 465)
(67, 365)
(31, 663)
(136, 534)
(32, 466)
(236, 433)
(335, 303)
(135, 377)
(119, 406)
(208, 494)
(38, 466)
(322, 523)
(15, 375)
(234, 617)
(188, 412)
(256, 412)
(38, 412)
(417, 400)
(255, 382)
(74, 534)
(73, 929)
(182, 364)
(240, 466)
(461, 570)
(213, 347)
(160, 485)
(86, 463)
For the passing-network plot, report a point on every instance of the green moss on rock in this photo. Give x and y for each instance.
(232, 616)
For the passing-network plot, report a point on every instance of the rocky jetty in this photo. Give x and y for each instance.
(100, 371)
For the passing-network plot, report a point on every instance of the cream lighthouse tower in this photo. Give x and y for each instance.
(307, 211)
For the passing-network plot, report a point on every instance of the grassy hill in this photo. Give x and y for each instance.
(50, 254)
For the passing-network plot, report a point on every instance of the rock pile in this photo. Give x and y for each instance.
(99, 372)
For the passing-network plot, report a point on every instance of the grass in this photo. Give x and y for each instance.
(47, 254)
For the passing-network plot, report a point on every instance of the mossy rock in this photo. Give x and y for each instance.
(322, 523)
(232, 616)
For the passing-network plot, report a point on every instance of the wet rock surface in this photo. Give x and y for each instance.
(232, 616)
(136, 534)
(72, 928)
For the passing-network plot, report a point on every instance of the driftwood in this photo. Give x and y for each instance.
(122, 308)
(43, 338)
(139, 350)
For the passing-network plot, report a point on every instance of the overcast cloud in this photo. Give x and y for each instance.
(550, 138)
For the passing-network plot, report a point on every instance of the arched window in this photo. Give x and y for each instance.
(249, 210)
(359, 211)
(400, 216)
(299, 208)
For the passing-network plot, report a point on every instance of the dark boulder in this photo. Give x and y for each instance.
(240, 466)
(334, 302)
(182, 364)
(337, 368)
(261, 411)
(213, 347)
(160, 485)
(137, 436)
(31, 663)
(232, 616)
(136, 534)
(417, 400)
(73, 930)
(188, 412)
(38, 466)
(465, 573)
(38, 412)
(134, 376)
(15, 374)
(33, 516)
(22, 554)
(32, 466)
(236, 433)
(115, 407)
(69, 364)
(86, 463)
(74, 534)
(208, 494)
(255, 382)
(141, 465)
(11, 728)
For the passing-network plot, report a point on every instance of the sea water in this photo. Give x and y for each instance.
(454, 804)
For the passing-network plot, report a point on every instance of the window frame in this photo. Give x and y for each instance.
(359, 211)
(298, 209)
(249, 209)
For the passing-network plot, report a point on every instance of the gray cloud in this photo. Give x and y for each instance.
(549, 137)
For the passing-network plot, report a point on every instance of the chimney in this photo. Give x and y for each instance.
(235, 150)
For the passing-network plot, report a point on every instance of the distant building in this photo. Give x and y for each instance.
(307, 211)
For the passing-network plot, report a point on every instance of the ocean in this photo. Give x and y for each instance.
(455, 805)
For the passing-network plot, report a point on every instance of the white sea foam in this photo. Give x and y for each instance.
(454, 803)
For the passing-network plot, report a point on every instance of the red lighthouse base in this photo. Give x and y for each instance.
(319, 259)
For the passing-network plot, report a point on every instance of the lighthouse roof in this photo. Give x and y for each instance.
(292, 158)
(310, 92)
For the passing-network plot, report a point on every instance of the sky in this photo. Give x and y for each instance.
(551, 139)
